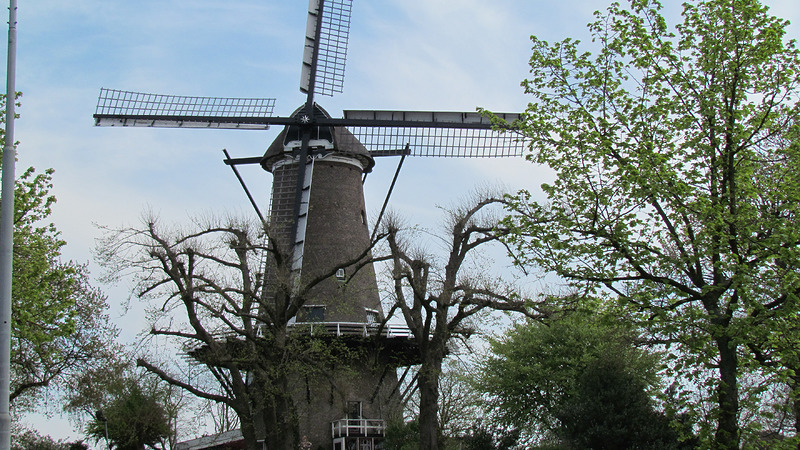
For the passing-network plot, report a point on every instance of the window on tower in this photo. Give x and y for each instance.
(311, 313)
(372, 317)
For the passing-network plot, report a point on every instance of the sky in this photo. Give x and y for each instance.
(451, 55)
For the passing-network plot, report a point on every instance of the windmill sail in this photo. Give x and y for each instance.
(383, 133)
(436, 133)
(139, 109)
(328, 31)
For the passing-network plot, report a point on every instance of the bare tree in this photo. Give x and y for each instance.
(438, 299)
(212, 299)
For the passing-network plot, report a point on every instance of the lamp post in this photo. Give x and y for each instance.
(102, 418)
(7, 233)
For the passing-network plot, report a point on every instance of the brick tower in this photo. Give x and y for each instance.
(349, 408)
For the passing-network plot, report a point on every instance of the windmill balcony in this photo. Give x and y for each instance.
(352, 329)
(358, 428)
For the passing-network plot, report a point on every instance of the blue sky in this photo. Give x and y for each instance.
(403, 54)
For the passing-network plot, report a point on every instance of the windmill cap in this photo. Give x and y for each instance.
(324, 139)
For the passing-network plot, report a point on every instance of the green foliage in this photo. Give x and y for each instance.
(58, 321)
(611, 409)
(135, 410)
(402, 436)
(538, 377)
(534, 368)
(676, 184)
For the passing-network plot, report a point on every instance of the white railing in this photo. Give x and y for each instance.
(358, 427)
(352, 329)
(316, 328)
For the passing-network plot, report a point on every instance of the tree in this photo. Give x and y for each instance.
(611, 409)
(211, 299)
(557, 376)
(136, 418)
(133, 409)
(459, 403)
(439, 298)
(658, 142)
(402, 436)
(59, 324)
(774, 346)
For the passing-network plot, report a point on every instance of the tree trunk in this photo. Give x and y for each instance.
(428, 383)
(727, 435)
(280, 422)
(247, 426)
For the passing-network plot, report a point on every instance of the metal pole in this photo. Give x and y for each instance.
(7, 232)
(100, 416)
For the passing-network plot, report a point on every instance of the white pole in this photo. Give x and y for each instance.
(7, 233)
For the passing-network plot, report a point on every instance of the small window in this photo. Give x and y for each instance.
(341, 274)
(311, 313)
(372, 317)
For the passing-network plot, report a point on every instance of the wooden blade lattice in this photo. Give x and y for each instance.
(333, 38)
(126, 108)
(441, 142)
(436, 133)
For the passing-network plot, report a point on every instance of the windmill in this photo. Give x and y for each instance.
(317, 210)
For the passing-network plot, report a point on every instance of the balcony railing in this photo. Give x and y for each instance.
(337, 329)
(358, 428)
(352, 329)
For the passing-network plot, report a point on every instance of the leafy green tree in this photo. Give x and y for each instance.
(659, 143)
(135, 408)
(402, 436)
(59, 325)
(545, 378)
(774, 347)
(611, 409)
(135, 419)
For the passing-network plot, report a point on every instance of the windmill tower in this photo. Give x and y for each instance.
(317, 209)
